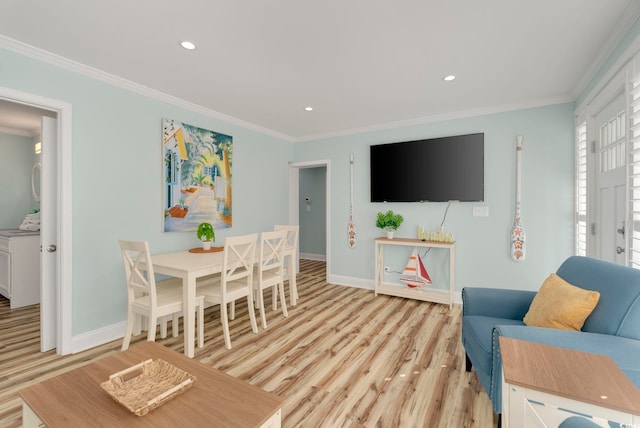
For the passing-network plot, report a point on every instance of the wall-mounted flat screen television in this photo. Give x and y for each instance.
(432, 170)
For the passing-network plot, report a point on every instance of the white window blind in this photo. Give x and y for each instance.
(581, 189)
(633, 230)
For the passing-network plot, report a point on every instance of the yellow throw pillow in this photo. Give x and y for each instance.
(561, 305)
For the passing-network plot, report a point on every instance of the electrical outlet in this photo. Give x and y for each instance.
(386, 269)
(481, 211)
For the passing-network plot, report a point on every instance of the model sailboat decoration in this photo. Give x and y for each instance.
(415, 273)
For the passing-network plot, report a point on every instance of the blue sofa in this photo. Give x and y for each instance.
(612, 329)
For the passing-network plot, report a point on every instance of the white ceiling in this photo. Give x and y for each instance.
(361, 64)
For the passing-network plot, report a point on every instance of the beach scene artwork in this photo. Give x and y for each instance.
(197, 177)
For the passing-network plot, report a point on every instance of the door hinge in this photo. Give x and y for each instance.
(593, 229)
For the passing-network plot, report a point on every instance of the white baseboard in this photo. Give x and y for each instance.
(311, 256)
(369, 284)
(351, 281)
(116, 331)
(98, 337)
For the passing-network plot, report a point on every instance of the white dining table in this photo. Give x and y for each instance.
(189, 267)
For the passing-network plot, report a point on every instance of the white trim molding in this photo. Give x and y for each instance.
(311, 256)
(369, 284)
(629, 18)
(85, 70)
(94, 73)
(351, 281)
(98, 337)
(435, 118)
(65, 209)
(294, 199)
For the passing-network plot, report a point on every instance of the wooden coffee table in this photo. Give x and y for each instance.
(75, 398)
(538, 379)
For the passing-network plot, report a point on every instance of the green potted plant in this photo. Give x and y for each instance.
(389, 221)
(206, 234)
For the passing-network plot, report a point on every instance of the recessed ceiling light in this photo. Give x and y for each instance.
(309, 108)
(188, 45)
(449, 78)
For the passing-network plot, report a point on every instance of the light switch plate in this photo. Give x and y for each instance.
(481, 211)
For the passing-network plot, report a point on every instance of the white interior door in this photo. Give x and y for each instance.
(48, 235)
(610, 181)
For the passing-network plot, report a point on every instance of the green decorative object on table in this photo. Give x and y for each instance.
(206, 234)
(389, 221)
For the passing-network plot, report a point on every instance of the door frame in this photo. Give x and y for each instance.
(63, 277)
(607, 94)
(294, 201)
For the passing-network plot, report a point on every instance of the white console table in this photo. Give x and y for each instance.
(425, 293)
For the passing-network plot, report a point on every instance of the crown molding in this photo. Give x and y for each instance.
(439, 118)
(79, 68)
(93, 73)
(629, 19)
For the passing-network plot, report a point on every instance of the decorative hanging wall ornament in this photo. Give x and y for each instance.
(351, 229)
(517, 231)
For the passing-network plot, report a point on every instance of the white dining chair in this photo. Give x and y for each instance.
(142, 323)
(150, 298)
(291, 254)
(269, 272)
(235, 281)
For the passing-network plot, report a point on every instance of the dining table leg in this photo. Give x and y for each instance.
(189, 313)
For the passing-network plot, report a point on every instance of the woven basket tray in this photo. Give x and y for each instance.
(145, 386)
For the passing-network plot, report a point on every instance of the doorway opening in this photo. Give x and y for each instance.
(312, 213)
(295, 199)
(55, 232)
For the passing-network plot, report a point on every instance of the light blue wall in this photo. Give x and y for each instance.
(313, 228)
(482, 243)
(16, 159)
(117, 193)
(117, 176)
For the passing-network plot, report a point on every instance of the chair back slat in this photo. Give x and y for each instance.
(292, 235)
(239, 253)
(272, 248)
(138, 269)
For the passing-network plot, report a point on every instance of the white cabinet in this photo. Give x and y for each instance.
(5, 271)
(20, 270)
(425, 293)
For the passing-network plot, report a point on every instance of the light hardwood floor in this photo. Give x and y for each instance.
(343, 358)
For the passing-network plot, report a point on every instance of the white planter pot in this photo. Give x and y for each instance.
(390, 234)
(206, 245)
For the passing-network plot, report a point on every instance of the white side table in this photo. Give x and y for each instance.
(539, 379)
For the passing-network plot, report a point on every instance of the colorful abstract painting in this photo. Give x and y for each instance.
(197, 177)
